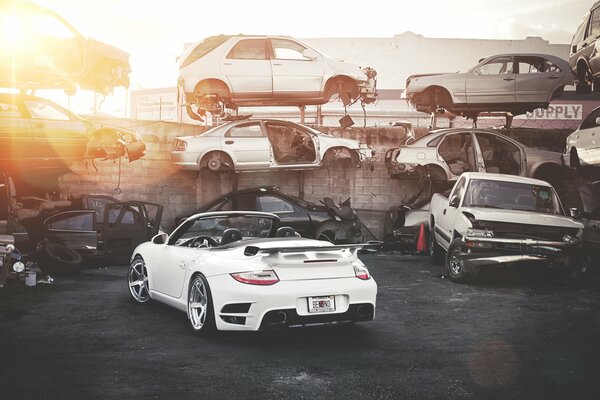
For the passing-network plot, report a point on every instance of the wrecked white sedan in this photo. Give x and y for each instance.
(264, 144)
(241, 271)
(583, 147)
(230, 71)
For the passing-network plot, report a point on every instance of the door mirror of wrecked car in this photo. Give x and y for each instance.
(574, 213)
(454, 200)
(310, 54)
(161, 238)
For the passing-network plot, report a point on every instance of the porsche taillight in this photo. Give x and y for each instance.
(266, 277)
(362, 272)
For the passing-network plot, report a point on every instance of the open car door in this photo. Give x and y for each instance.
(126, 225)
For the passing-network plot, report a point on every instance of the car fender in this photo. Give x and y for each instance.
(191, 81)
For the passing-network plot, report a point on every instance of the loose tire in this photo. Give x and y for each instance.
(455, 270)
(59, 259)
(137, 281)
(199, 306)
(435, 251)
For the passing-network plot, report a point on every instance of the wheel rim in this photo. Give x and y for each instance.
(197, 304)
(454, 264)
(138, 281)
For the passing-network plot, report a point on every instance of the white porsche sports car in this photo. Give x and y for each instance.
(241, 271)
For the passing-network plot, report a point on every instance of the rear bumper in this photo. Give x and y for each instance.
(290, 297)
(185, 160)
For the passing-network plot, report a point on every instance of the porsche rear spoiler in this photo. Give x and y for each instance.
(254, 250)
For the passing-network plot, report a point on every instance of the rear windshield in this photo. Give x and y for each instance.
(205, 47)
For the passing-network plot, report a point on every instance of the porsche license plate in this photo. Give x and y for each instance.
(321, 304)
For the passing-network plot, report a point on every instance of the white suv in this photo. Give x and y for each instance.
(230, 71)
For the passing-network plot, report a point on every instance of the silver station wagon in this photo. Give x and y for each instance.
(264, 144)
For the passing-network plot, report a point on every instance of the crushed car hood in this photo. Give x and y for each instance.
(521, 217)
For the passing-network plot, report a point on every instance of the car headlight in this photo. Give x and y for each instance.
(570, 239)
(479, 233)
(18, 267)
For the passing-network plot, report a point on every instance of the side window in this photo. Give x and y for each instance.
(42, 110)
(129, 216)
(275, 205)
(241, 202)
(288, 50)
(590, 120)
(249, 130)
(77, 222)
(497, 66)
(8, 110)
(535, 65)
(249, 49)
(595, 23)
(580, 33)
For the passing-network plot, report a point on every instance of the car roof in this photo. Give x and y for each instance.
(504, 178)
(234, 214)
(258, 189)
(444, 131)
(22, 96)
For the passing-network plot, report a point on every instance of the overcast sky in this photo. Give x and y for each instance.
(154, 32)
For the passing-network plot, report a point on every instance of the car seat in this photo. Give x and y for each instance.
(231, 235)
(286, 231)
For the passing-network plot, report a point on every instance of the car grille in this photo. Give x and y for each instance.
(526, 231)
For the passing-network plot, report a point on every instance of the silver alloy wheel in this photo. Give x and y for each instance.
(197, 303)
(454, 264)
(137, 278)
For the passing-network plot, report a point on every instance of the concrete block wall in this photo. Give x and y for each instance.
(155, 180)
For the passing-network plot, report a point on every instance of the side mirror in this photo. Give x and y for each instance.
(161, 238)
(454, 200)
(310, 54)
(574, 213)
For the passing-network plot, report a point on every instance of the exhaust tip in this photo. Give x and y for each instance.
(280, 317)
(364, 310)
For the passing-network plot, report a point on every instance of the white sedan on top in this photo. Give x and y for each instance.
(265, 144)
(515, 83)
(583, 145)
(230, 71)
(240, 271)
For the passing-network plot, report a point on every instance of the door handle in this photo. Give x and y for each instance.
(278, 64)
(508, 78)
(227, 63)
(229, 142)
(38, 125)
(553, 77)
(444, 212)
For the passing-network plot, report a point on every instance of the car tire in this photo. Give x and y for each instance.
(216, 161)
(137, 280)
(59, 259)
(455, 271)
(585, 79)
(574, 161)
(436, 253)
(200, 309)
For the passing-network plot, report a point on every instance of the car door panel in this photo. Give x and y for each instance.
(170, 268)
(249, 70)
(249, 145)
(125, 226)
(16, 136)
(293, 74)
(74, 229)
(491, 89)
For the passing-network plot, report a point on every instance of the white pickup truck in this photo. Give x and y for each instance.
(495, 219)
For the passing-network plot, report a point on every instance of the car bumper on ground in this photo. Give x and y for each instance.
(242, 307)
(480, 252)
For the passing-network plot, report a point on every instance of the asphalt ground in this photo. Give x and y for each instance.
(517, 334)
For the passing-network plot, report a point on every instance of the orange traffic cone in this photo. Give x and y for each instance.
(421, 240)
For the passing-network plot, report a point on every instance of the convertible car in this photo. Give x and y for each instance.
(242, 271)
